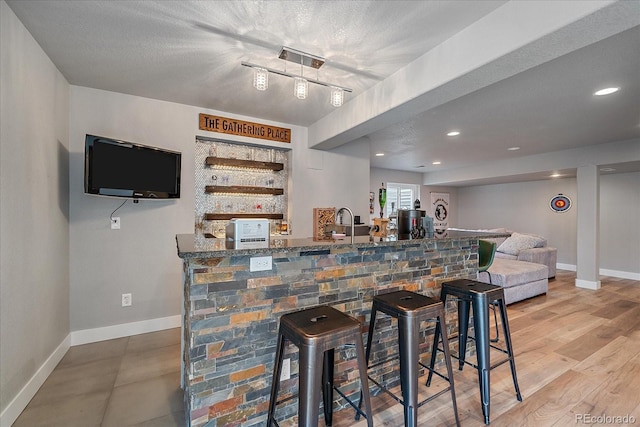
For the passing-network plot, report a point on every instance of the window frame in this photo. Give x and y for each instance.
(399, 187)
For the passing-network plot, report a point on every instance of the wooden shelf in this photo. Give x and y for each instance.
(227, 216)
(239, 163)
(240, 189)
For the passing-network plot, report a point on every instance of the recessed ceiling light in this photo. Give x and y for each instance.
(379, 154)
(607, 170)
(555, 175)
(607, 91)
(513, 148)
(453, 133)
(436, 162)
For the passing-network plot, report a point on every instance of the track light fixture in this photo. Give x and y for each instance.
(301, 83)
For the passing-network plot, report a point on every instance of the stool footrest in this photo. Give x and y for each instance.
(400, 401)
(358, 410)
(382, 362)
(389, 359)
(495, 365)
(286, 399)
(428, 368)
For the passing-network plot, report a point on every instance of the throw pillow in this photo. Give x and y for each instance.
(517, 242)
(542, 242)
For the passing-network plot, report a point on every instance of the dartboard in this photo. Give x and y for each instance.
(560, 203)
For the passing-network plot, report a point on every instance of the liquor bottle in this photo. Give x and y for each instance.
(382, 199)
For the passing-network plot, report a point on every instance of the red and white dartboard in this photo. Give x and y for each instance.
(560, 203)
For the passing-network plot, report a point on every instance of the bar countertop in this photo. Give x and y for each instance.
(199, 246)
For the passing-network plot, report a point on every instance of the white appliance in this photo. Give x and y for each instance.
(247, 233)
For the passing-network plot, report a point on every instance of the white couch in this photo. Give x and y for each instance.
(522, 265)
(520, 279)
(526, 247)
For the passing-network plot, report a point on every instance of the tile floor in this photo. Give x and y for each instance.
(132, 381)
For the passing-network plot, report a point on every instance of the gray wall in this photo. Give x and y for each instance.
(323, 179)
(141, 257)
(620, 222)
(34, 227)
(525, 207)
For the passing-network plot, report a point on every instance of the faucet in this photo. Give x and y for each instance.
(353, 223)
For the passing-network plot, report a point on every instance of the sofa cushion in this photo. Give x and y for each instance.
(517, 242)
(507, 273)
(505, 256)
(541, 241)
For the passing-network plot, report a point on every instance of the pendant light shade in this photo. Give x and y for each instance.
(337, 96)
(300, 87)
(260, 78)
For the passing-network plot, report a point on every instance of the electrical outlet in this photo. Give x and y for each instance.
(126, 300)
(285, 374)
(260, 263)
(115, 223)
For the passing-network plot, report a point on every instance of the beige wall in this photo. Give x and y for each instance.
(34, 227)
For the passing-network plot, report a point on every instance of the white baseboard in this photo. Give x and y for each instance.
(603, 272)
(24, 396)
(87, 336)
(588, 284)
(620, 274)
(568, 267)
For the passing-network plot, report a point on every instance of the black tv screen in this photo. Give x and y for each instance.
(125, 169)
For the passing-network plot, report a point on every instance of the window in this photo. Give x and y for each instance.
(400, 196)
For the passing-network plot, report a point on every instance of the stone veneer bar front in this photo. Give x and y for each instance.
(230, 318)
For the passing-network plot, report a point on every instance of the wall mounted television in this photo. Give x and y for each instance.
(125, 169)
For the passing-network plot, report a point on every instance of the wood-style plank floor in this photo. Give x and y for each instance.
(577, 355)
(577, 358)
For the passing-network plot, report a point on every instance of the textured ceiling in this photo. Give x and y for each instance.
(190, 52)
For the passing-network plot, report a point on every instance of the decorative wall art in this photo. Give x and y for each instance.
(321, 218)
(440, 213)
(560, 203)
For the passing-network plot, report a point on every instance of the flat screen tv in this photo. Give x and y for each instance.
(125, 169)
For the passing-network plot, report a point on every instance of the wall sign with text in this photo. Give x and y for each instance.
(242, 128)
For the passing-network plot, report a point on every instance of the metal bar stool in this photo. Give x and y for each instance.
(317, 332)
(479, 295)
(410, 309)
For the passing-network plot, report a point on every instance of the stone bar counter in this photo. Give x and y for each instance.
(231, 315)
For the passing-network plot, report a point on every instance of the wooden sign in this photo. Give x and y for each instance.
(242, 128)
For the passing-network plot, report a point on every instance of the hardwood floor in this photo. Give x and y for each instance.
(577, 358)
